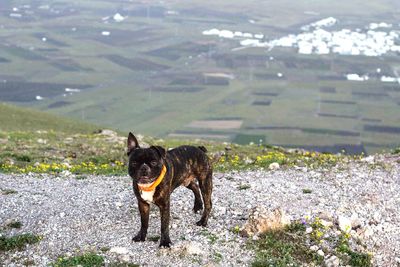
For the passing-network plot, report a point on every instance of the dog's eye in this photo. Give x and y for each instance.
(134, 163)
(153, 163)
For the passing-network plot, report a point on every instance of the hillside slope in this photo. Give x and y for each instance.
(14, 118)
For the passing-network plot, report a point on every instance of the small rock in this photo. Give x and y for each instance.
(326, 224)
(119, 250)
(125, 258)
(344, 223)
(118, 204)
(262, 220)
(274, 166)
(309, 230)
(194, 248)
(189, 248)
(68, 140)
(107, 132)
(324, 215)
(369, 159)
(62, 214)
(321, 253)
(42, 141)
(332, 261)
(355, 222)
(314, 248)
(66, 173)
(365, 233)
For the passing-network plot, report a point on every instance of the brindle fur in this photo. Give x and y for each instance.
(186, 165)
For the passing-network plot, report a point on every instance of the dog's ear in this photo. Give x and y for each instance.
(160, 150)
(132, 143)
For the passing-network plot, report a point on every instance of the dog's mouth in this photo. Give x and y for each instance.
(145, 180)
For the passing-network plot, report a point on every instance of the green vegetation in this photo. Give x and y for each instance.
(119, 264)
(286, 247)
(56, 152)
(350, 256)
(14, 224)
(17, 242)
(154, 238)
(15, 118)
(7, 191)
(85, 260)
(292, 246)
(149, 75)
(210, 236)
(80, 154)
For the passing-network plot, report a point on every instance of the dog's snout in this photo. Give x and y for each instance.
(144, 169)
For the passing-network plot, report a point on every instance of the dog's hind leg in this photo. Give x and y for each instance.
(198, 203)
(206, 190)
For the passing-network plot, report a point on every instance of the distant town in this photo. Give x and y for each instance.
(374, 40)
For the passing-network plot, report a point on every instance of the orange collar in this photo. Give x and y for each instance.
(153, 186)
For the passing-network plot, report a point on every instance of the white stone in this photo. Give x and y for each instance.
(118, 17)
(314, 248)
(321, 253)
(344, 224)
(274, 166)
(326, 223)
(119, 250)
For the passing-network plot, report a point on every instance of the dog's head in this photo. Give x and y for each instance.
(145, 164)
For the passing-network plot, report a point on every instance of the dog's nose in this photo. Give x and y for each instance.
(144, 169)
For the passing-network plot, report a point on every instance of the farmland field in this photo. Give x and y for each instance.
(146, 66)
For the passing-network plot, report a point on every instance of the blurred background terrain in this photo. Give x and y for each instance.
(312, 74)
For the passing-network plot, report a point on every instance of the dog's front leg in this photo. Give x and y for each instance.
(144, 209)
(165, 241)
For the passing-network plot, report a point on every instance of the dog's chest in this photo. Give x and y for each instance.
(147, 196)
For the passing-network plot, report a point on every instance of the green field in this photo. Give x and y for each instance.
(156, 73)
(14, 118)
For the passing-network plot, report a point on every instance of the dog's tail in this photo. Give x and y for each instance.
(202, 148)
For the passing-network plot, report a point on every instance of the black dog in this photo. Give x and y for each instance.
(156, 173)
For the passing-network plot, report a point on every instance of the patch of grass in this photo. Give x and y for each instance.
(120, 264)
(15, 118)
(307, 191)
(217, 257)
(25, 158)
(81, 154)
(210, 236)
(17, 242)
(235, 230)
(104, 249)
(8, 191)
(244, 187)
(285, 247)
(29, 263)
(154, 238)
(84, 260)
(15, 224)
(351, 257)
(80, 177)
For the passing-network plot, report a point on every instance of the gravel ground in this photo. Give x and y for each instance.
(100, 212)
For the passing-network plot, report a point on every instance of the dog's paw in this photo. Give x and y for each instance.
(202, 223)
(165, 243)
(197, 208)
(139, 238)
